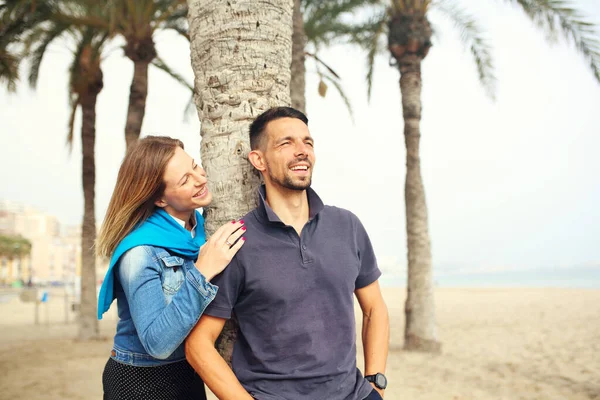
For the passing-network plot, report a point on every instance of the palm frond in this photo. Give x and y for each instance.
(179, 26)
(180, 13)
(321, 62)
(37, 55)
(325, 21)
(338, 87)
(17, 18)
(75, 67)
(361, 33)
(333, 77)
(472, 38)
(147, 13)
(559, 17)
(189, 108)
(74, 104)
(89, 20)
(9, 69)
(174, 10)
(372, 42)
(160, 64)
(404, 6)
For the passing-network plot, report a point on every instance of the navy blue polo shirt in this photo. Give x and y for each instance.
(293, 297)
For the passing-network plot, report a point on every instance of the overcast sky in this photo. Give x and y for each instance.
(510, 184)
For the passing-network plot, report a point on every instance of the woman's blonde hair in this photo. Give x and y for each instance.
(139, 184)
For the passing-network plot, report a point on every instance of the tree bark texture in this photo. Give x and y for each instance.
(241, 57)
(298, 82)
(420, 330)
(88, 324)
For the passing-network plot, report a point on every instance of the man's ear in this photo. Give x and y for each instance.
(257, 160)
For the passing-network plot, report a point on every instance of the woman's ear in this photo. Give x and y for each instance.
(160, 203)
(257, 160)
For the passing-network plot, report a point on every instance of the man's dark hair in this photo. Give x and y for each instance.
(257, 128)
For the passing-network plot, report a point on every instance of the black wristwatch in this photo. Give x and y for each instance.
(378, 379)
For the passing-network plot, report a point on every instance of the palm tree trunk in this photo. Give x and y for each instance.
(241, 56)
(137, 102)
(420, 330)
(298, 84)
(88, 324)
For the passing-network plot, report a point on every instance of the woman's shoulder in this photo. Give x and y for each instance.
(138, 258)
(140, 252)
(146, 252)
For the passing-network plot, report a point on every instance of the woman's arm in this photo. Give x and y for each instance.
(161, 327)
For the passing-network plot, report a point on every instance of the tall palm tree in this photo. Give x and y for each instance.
(241, 58)
(136, 22)
(85, 84)
(406, 25)
(31, 25)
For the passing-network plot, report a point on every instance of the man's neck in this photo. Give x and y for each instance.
(291, 206)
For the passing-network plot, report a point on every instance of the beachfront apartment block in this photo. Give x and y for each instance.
(55, 248)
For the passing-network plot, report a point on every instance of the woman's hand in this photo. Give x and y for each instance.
(218, 251)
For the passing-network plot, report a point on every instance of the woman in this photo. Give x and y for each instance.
(154, 235)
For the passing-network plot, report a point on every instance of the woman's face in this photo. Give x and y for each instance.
(185, 186)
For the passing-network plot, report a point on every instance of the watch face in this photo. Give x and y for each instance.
(380, 381)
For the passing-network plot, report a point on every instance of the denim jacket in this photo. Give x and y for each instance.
(160, 297)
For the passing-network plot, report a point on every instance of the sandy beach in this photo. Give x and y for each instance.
(497, 344)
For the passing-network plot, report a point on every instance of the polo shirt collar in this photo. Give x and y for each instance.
(315, 205)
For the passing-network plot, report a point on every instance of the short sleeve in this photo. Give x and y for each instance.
(369, 271)
(230, 283)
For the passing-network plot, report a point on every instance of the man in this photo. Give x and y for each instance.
(291, 287)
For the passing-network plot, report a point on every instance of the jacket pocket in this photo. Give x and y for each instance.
(173, 274)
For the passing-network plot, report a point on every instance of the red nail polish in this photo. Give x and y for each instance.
(242, 221)
(244, 239)
(243, 228)
(233, 222)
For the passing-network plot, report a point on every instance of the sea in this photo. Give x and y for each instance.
(543, 277)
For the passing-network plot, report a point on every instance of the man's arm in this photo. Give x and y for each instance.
(375, 329)
(205, 359)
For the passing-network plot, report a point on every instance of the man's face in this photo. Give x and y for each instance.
(289, 154)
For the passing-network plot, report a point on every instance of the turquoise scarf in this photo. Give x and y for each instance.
(160, 230)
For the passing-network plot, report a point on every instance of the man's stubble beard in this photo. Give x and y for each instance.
(288, 183)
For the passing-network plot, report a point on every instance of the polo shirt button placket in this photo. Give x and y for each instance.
(305, 259)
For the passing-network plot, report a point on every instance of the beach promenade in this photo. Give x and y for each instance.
(498, 344)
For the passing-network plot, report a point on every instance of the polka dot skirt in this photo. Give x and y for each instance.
(176, 381)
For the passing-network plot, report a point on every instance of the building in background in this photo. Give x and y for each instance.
(55, 249)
